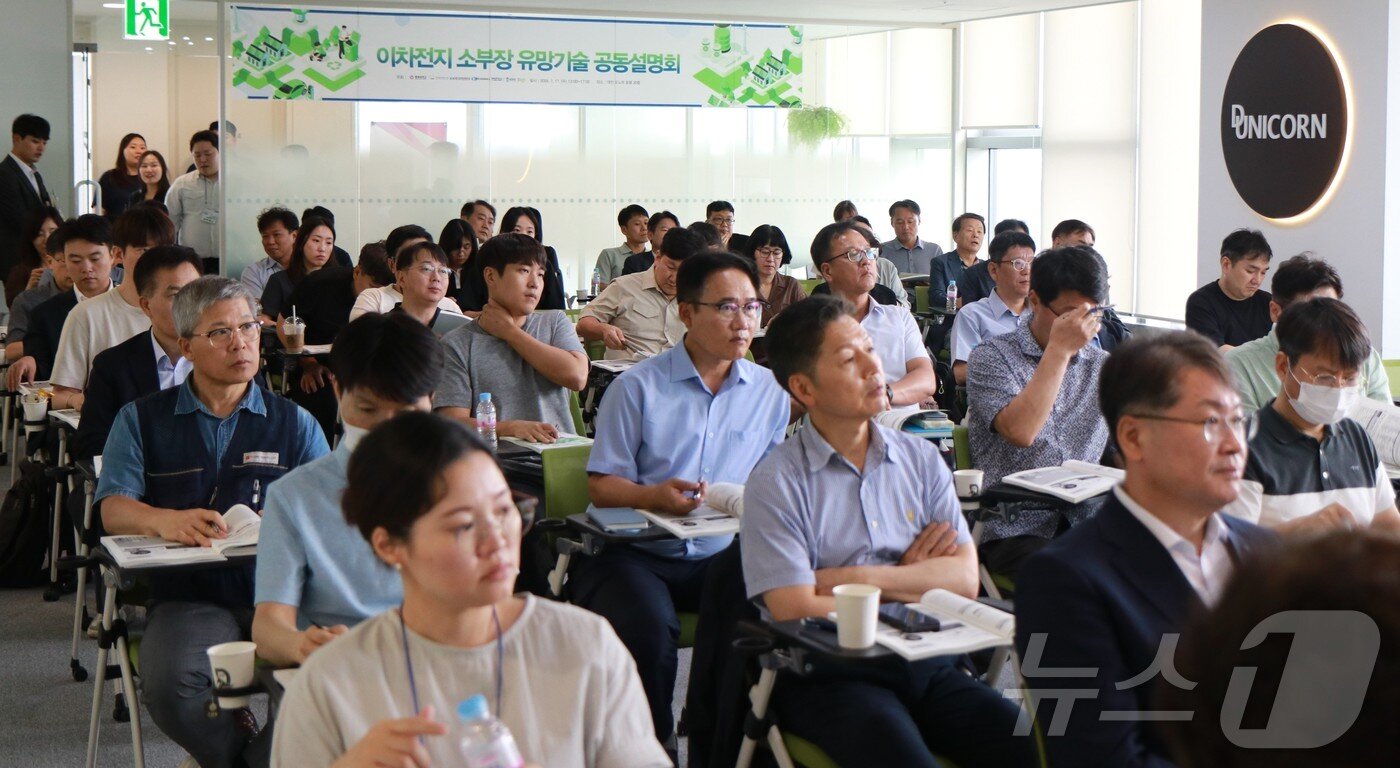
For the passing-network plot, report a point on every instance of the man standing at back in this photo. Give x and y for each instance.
(910, 255)
(22, 189)
(193, 200)
(1233, 310)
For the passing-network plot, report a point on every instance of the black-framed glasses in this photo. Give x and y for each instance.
(730, 309)
(1244, 426)
(250, 331)
(768, 252)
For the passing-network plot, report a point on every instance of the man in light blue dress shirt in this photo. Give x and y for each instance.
(1011, 254)
(696, 414)
(317, 576)
(849, 501)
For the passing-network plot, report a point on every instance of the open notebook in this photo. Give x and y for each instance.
(148, 551)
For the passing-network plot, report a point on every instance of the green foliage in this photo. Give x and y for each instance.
(810, 126)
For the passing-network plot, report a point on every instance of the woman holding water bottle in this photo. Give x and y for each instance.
(463, 672)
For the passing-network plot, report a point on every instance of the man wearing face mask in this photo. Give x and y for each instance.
(1310, 467)
(316, 574)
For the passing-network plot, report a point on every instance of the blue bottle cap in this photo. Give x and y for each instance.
(473, 708)
(484, 397)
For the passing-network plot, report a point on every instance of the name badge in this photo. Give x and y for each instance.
(262, 457)
(209, 216)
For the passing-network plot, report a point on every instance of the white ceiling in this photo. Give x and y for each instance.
(865, 13)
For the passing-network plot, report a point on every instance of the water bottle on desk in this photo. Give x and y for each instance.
(485, 741)
(486, 419)
(596, 287)
(950, 302)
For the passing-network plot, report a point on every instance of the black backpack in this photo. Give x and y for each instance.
(24, 534)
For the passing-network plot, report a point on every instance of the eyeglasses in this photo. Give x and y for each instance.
(860, 254)
(522, 504)
(729, 309)
(223, 337)
(769, 253)
(1243, 426)
(428, 270)
(1016, 264)
(718, 220)
(1328, 380)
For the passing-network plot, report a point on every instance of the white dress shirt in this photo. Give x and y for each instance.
(1207, 570)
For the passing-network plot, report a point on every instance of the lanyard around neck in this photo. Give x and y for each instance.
(500, 660)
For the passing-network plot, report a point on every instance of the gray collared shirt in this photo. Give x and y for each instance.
(910, 261)
(806, 507)
(997, 370)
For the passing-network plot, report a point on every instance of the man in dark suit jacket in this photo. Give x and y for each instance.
(19, 194)
(1097, 611)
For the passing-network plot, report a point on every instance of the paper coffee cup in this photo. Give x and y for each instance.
(968, 483)
(36, 407)
(232, 667)
(857, 612)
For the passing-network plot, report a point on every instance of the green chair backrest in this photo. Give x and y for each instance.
(921, 298)
(962, 450)
(808, 285)
(595, 349)
(576, 410)
(565, 480)
(1392, 372)
(573, 314)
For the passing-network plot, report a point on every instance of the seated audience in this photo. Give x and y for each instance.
(147, 362)
(115, 316)
(174, 462)
(844, 210)
(849, 501)
(709, 234)
(32, 260)
(1095, 608)
(385, 298)
(54, 281)
(632, 221)
(1009, 265)
(1233, 310)
(976, 282)
(527, 360)
(768, 248)
(847, 262)
(386, 693)
(1327, 674)
(278, 228)
(1299, 278)
(889, 288)
(696, 414)
(421, 273)
(481, 216)
(909, 254)
(339, 256)
(87, 255)
(310, 251)
(1072, 232)
(527, 221)
(968, 231)
(1310, 466)
(316, 575)
(658, 225)
(1031, 398)
(637, 315)
(720, 215)
(466, 287)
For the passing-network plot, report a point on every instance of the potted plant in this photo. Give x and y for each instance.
(810, 126)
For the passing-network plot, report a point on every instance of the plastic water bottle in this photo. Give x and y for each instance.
(486, 419)
(596, 287)
(485, 742)
(950, 302)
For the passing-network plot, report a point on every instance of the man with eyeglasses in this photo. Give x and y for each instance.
(1312, 468)
(637, 316)
(1011, 254)
(668, 428)
(848, 264)
(1095, 608)
(720, 215)
(1030, 398)
(174, 462)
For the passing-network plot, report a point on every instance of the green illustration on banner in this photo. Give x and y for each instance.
(280, 64)
(738, 78)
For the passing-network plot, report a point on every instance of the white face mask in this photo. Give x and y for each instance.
(1317, 404)
(352, 436)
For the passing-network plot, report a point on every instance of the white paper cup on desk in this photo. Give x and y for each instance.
(857, 613)
(232, 667)
(968, 483)
(36, 407)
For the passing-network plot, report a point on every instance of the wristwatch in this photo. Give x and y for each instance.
(889, 393)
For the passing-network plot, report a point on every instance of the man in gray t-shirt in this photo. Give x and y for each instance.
(527, 360)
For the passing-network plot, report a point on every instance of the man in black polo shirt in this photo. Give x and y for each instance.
(1310, 467)
(1233, 310)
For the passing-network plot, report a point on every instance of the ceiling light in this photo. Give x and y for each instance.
(149, 48)
(186, 37)
(208, 39)
(114, 6)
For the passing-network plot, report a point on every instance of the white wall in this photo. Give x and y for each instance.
(36, 57)
(1356, 231)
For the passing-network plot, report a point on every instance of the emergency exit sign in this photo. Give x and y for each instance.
(147, 20)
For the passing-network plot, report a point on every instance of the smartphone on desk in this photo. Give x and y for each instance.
(906, 619)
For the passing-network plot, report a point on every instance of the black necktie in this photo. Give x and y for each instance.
(43, 192)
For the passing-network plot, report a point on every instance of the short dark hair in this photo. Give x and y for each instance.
(140, 225)
(695, 270)
(1319, 326)
(410, 254)
(513, 215)
(842, 209)
(90, 227)
(209, 136)
(708, 233)
(767, 236)
(1245, 244)
(30, 125)
(1069, 268)
(391, 355)
(680, 243)
(1343, 572)
(374, 262)
(229, 127)
(1143, 374)
(908, 205)
(626, 214)
(296, 270)
(415, 449)
(1069, 227)
(512, 248)
(958, 222)
(716, 206)
(1300, 275)
(159, 259)
(861, 219)
(277, 215)
(454, 234)
(1015, 225)
(794, 337)
(402, 234)
(469, 207)
(660, 216)
(320, 211)
(821, 243)
(1005, 242)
